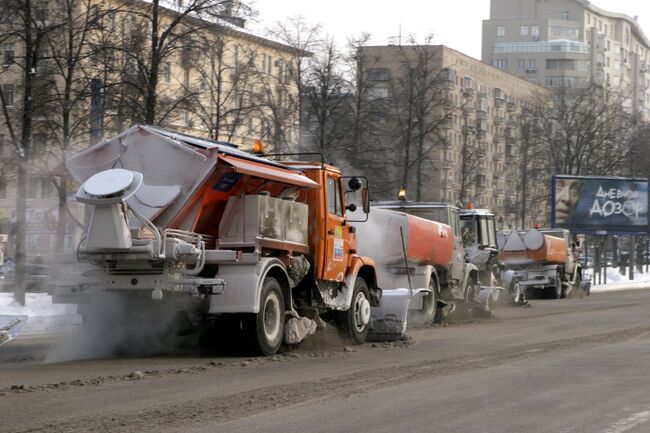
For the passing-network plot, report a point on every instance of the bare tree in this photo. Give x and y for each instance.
(155, 35)
(421, 110)
(587, 131)
(327, 98)
(305, 37)
(26, 25)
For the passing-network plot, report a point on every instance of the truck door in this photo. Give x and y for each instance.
(337, 244)
(458, 263)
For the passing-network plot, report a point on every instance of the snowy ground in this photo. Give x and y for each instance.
(43, 316)
(616, 281)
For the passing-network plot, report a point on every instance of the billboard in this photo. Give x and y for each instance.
(588, 204)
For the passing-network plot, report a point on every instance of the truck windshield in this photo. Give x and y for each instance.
(434, 214)
(469, 232)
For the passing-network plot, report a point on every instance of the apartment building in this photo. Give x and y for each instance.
(565, 43)
(476, 153)
(219, 81)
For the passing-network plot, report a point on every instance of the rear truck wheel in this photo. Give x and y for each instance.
(355, 322)
(516, 294)
(557, 291)
(430, 304)
(469, 299)
(265, 330)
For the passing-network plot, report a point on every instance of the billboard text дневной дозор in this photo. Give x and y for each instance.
(591, 204)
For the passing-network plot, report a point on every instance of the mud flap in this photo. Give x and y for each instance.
(10, 327)
(388, 321)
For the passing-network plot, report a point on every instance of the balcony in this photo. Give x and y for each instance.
(497, 156)
(511, 106)
(469, 92)
(499, 120)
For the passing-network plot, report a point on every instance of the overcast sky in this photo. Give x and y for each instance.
(455, 23)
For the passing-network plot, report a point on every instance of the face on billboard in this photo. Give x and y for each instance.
(567, 195)
(611, 204)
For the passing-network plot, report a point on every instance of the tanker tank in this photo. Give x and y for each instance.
(532, 246)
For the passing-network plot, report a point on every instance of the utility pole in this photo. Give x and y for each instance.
(525, 131)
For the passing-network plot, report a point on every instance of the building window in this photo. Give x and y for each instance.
(500, 64)
(534, 31)
(32, 187)
(379, 74)
(167, 73)
(235, 56)
(3, 187)
(521, 64)
(8, 93)
(9, 54)
(501, 30)
(565, 15)
(39, 142)
(47, 189)
(41, 12)
(532, 64)
(523, 30)
(269, 60)
(565, 32)
(375, 93)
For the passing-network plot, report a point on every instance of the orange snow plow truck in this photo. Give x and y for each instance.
(263, 243)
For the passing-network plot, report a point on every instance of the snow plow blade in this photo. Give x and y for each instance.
(487, 299)
(388, 321)
(10, 327)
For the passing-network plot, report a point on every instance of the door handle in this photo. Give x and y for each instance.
(330, 232)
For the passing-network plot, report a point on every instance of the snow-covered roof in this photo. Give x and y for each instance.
(179, 7)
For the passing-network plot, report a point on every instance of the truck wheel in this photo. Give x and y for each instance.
(516, 294)
(469, 299)
(557, 291)
(354, 322)
(265, 329)
(430, 304)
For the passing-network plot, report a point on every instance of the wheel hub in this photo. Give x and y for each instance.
(272, 317)
(361, 312)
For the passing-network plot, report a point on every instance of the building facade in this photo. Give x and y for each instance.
(566, 43)
(474, 149)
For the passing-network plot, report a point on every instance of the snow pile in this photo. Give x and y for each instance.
(43, 315)
(616, 281)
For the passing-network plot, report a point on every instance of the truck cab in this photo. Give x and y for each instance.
(478, 230)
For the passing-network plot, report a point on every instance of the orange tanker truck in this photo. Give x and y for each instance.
(539, 260)
(411, 254)
(260, 248)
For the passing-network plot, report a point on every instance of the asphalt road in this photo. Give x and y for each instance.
(560, 366)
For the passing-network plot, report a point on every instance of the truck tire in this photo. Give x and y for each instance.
(557, 291)
(430, 304)
(428, 313)
(355, 322)
(515, 294)
(265, 330)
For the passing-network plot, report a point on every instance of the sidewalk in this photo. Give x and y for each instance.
(43, 316)
(616, 281)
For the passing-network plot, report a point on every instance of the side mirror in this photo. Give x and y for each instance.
(354, 183)
(365, 199)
